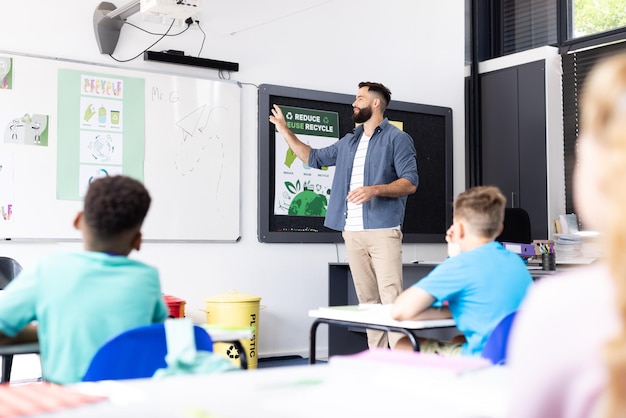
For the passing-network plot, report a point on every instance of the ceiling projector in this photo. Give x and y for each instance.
(109, 19)
(174, 9)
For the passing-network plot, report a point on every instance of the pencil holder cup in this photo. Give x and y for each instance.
(548, 261)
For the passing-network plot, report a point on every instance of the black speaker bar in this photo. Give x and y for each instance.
(177, 57)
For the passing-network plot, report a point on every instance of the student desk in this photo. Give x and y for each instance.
(349, 386)
(372, 317)
(350, 340)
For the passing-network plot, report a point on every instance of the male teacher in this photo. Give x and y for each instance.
(375, 171)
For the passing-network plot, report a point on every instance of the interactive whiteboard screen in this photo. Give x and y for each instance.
(320, 118)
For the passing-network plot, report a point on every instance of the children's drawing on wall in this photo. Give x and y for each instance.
(6, 186)
(27, 130)
(6, 73)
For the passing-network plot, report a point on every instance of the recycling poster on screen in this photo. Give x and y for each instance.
(300, 189)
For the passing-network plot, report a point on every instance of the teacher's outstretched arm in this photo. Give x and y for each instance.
(298, 147)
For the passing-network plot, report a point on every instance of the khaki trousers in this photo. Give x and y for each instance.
(375, 259)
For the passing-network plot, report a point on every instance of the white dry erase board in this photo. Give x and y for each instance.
(64, 123)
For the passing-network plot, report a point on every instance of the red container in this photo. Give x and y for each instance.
(176, 306)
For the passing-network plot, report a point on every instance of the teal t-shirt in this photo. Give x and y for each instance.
(481, 286)
(80, 300)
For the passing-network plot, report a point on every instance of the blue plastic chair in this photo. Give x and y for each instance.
(495, 349)
(137, 353)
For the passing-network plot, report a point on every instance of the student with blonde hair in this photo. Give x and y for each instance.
(568, 344)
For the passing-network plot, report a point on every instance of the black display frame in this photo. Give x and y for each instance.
(428, 211)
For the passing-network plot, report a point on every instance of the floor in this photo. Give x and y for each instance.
(283, 361)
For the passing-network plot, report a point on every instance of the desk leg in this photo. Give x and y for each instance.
(312, 338)
(414, 341)
(7, 363)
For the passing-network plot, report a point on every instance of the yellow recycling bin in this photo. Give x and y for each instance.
(235, 309)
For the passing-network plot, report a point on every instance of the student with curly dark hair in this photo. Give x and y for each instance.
(80, 300)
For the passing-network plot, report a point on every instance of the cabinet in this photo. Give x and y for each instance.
(514, 139)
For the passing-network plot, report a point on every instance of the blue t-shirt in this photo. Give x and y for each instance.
(80, 300)
(481, 286)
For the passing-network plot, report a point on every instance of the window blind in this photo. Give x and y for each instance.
(576, 67)
(528, 24)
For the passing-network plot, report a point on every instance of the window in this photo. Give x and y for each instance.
(528, 24)
(590, 17)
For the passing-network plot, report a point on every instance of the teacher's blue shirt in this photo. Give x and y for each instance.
(390, 156)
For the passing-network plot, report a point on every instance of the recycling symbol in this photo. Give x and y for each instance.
(326, 120)
(232, 352)
(289, 115)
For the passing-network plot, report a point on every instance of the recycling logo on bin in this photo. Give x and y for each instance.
(232, 352)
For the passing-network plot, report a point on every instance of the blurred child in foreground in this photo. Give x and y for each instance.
(567, 351)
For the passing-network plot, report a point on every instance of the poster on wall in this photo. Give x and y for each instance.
(27, 129)
(6, 73)
(101, 129)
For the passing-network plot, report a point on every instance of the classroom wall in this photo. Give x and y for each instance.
(416, 47)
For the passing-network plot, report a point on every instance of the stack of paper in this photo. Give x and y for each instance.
(569, 224)
(568, 247)
(581, 245)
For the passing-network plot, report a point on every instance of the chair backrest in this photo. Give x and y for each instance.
(516, 226)
(9, 269)
(137, 353)
(495, 349)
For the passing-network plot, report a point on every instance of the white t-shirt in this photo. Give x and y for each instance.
(354, 217)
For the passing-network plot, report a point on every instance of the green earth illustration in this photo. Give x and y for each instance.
(308, 203)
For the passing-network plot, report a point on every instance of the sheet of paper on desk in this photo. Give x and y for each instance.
(361, 307)
(374, 314)
(363, 310)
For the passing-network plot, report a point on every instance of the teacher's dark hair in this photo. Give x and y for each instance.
(115, 204)
(379, 89)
